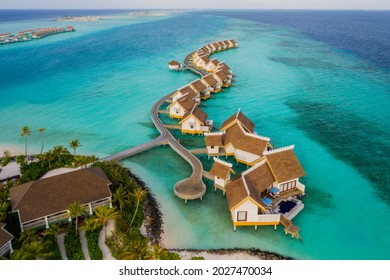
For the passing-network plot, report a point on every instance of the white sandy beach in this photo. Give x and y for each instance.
(14, 150)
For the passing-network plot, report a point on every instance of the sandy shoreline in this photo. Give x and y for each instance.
(13, 149)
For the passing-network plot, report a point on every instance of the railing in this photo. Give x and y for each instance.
(57, 217)
(35, 224)
(274, 218)
(5, 249)
(301, 187)
(101, 203)
(204, 128)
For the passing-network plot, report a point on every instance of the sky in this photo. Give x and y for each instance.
(195, 4)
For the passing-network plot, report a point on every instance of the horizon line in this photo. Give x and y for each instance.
(205, 9)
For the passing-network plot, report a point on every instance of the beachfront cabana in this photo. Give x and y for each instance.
(182, 105)
(43, 202)
(5, 240)
(195, 121)
(221, 171)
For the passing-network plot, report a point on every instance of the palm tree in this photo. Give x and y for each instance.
(120, 197)
(74, 144)
(156, 253)
(3, 210)
(92, 224)
(41, 130)
(53, 230)
(28, 236)
(75, 209)
(25, 133)
(138, 250)
(103, 214)
(31, 251)
(139, 194)
(60, 150)
(49, 155)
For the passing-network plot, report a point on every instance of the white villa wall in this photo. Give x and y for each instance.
(229, 149)
(250, 207)
(186, 124)
(214, 150)
(176, 110)
(220, 181)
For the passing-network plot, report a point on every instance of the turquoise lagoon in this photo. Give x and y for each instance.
(99, 84)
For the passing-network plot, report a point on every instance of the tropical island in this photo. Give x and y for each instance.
(114, 215)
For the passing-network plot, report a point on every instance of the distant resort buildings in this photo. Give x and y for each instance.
(28, 35)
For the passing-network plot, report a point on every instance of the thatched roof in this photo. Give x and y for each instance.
(213, 140)
(198, 113)
(220, 170)
(259, 177)
(284, 164)
(246, 123)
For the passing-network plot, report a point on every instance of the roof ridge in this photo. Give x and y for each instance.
(246, 186)
(223, 162)
(282, 149)
(28, 188)
(260, 163)
(257, 136)
(238, 112)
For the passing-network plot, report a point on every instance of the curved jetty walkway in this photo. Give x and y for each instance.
(190, 188)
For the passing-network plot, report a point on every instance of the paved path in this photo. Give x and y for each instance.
(84, 245)
(60, 242)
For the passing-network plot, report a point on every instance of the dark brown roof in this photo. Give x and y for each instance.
(226, 43)
(215, 45)
(215, 62)
(285, 165)
(205, 58)
(220, 170)
(220, 44)
(187, 101)
(189, 90)
(221, 75)
(252, 144)
(5, 236)
(174, 63)
(213, 140)
(260, 177)
(210, 80)
(54, 194)
(224, 68)
(232, 135)
(235, 192)
(199, 86)
(197, 113)
(233, 41)
(247, 124)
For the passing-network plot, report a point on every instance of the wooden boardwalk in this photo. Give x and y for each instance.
(190, 188)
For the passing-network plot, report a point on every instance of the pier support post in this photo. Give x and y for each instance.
(201, 198)
(235, 228)
(185, 201)
(255, 227)
(224, 193)
(275, 227)
(215, 189)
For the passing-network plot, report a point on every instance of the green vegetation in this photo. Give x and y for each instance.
(26, 132)
(197, 258)
(127, 242)
(6, 158)
(50, 237)
(75, 210)
(41, 130)
(93, 244)
(74, 144)
(73, 244)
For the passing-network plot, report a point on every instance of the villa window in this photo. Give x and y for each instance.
(288, 186)
(177, 111)
(192, 125)
(212, 147)
(242, 216)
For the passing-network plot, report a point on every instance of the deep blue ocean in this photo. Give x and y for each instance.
(316, 79)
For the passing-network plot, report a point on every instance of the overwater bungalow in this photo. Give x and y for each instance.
(199, 87)
(184, 90)
(227, 44)
(195, 122)
(240, 118)
(222, 66)
(214, 143)
(221, 171)
(234, 43)
(211, 83)
(5, 240)
(42, 202)
(222, 78)
(222, 45)
(250, 200)
(182, 105)
(174, 65)
(212, 65)
(202, 61)
(217, 46)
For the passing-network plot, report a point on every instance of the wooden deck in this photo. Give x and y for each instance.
(173, 126)
(200, 151)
